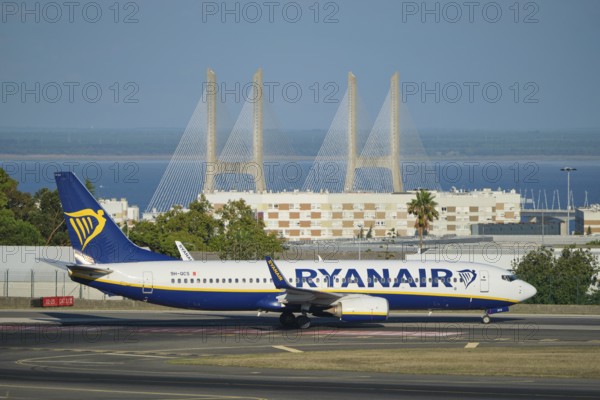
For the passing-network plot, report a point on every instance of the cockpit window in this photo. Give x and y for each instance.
(509, 278)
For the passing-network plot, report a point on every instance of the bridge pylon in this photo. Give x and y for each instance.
(214, 166)
(389, 161)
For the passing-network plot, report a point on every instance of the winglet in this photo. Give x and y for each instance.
(183, 252)
(278, 278)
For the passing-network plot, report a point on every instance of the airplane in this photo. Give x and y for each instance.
(351, 290)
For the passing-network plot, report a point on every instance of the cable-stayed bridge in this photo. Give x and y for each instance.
(350, 159)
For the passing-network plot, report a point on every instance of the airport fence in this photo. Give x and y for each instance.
(32, 283)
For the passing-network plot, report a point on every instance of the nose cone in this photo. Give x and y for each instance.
(526, 291)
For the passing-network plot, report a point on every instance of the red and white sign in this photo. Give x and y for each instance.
(58, 301)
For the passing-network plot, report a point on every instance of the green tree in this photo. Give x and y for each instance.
(242, 235)
(48, 217)
(14, 231)
(89, 185)
(559, 280)
(575, 271)
(594, 296)
(536, 268)
(423, 207)
(196, 228)
(19, 203)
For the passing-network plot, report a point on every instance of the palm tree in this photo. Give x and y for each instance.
(423, 207)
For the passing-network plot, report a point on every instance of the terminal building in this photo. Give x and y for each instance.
(324, 216)
(587, 220)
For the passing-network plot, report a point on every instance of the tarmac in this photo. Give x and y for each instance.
(72, 354)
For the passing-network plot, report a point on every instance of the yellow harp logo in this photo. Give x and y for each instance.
(87, 224)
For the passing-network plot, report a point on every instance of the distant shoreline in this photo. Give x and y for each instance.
(167, 157)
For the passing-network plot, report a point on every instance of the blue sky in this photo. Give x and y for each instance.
(549, 50)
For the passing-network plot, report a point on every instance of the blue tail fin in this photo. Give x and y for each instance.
(95, 237)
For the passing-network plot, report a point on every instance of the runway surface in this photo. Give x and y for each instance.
(62, 354)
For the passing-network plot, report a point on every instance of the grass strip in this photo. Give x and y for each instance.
(538, 361)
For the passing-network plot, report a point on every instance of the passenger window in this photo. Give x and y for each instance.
(185, 280)
(250, 280)
(217, 280)
(210, 280)
(192, 280)
(229, 280)
(178, 280)
(204, 280)
(237, 280)
(243, 280)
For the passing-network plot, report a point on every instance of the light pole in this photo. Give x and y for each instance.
(360, 226)
(568, 170)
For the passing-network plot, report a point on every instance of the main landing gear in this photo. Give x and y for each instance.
(289, 320)
(485, 319)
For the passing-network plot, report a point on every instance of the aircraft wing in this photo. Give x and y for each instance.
(93, 269)
(294, 295)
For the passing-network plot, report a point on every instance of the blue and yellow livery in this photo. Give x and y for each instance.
(358, 291)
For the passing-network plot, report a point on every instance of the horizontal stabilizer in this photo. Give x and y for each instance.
(93, 269)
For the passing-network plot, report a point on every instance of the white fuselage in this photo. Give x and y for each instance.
(247, 285)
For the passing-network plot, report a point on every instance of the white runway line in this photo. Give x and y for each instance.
(471, 345)
(285, 348)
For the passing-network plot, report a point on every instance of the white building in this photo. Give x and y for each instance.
(120, 210)
(309, 216)
(588, 219)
